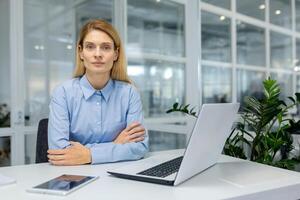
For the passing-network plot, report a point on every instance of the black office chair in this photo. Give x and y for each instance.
(42, 142)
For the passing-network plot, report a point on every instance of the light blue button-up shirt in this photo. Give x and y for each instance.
(94, 118)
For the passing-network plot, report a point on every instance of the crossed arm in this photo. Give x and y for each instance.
(77, 154)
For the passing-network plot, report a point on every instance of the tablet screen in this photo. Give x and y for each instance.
(64, 182)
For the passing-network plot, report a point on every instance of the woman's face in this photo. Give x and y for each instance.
(98, 53)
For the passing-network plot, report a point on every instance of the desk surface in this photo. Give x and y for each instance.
(230, 178)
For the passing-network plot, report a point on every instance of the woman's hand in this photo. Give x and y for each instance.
(76, 154)
(135, 132)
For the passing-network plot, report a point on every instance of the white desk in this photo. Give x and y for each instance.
(230, 178)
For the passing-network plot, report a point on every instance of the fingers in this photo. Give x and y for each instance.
(62, 151)
(132, 125)
(136, 135)
(138, 139)
(136, 129)
(56, 151)
(56, 157)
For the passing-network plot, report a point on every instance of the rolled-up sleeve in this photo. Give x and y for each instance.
(59, 123)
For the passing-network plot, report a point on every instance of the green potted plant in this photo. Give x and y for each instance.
(264, 132)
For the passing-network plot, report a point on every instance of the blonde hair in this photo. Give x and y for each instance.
(119, 69)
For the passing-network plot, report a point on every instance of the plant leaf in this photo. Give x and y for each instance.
(175, 105)
(292, 99)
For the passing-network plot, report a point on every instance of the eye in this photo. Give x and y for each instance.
(90, 46)
(106, 48)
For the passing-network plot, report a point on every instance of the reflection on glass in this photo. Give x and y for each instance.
(297, 61)
(93, 9)
(5, 156)
(286, 83)
(222, 3)
(298, 84)
(164, 86)
(159, 141)
(30, 148)
(250, 44)
(249, 83)
(49, 44)
(155, 27)
(297, 2)
(253, 8)
(215, 37)
(4, 65)
(281, 13)
(216, 84)
(281, 51)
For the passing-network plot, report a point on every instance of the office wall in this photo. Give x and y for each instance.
(4, 52)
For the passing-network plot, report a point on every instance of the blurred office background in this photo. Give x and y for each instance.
(187, 51)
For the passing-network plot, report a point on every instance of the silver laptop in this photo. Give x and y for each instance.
(204, 148)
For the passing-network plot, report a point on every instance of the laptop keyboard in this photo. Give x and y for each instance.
(165, 169)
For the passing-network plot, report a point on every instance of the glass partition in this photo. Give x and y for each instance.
(298, 84)
(165, 84)
(223, 3)
(250, 44)
(281, 13)
(5, 151)
(216, 34)
(297, 2)
(297, 59)
(4, 65)
(50, 29)
(156, 52)
(155, 27)
(30, 148)
(216, 84)
(253, 8)
(285, 82)
(281, 51)
(159, 141)
(249, 83)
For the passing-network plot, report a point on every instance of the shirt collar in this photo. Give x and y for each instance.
(88, 89)
(107, 90)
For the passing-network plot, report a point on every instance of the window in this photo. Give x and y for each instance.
(281, 13)
(5, 151)
(224, 3)
(156, 52)
(50, 29)
(281, 51)
(4, 65)
(250, 45)
(249, 83)
(216, 84)
(216, 34)
(253, 8)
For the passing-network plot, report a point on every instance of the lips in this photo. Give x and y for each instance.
(98, 63)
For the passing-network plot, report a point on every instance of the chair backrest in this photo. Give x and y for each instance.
(42, 142)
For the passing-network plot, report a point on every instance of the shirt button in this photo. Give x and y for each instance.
(98, 103)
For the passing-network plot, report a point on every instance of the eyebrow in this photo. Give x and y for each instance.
(105, 43)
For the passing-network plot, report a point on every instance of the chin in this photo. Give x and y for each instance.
(99, 70)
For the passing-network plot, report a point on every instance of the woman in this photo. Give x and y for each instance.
(97, 116)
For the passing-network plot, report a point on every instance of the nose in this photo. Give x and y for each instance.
(98, 52)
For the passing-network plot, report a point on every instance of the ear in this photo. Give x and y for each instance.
(116, 54)
(80, 52)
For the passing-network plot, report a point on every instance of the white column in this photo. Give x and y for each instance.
(17, 81)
